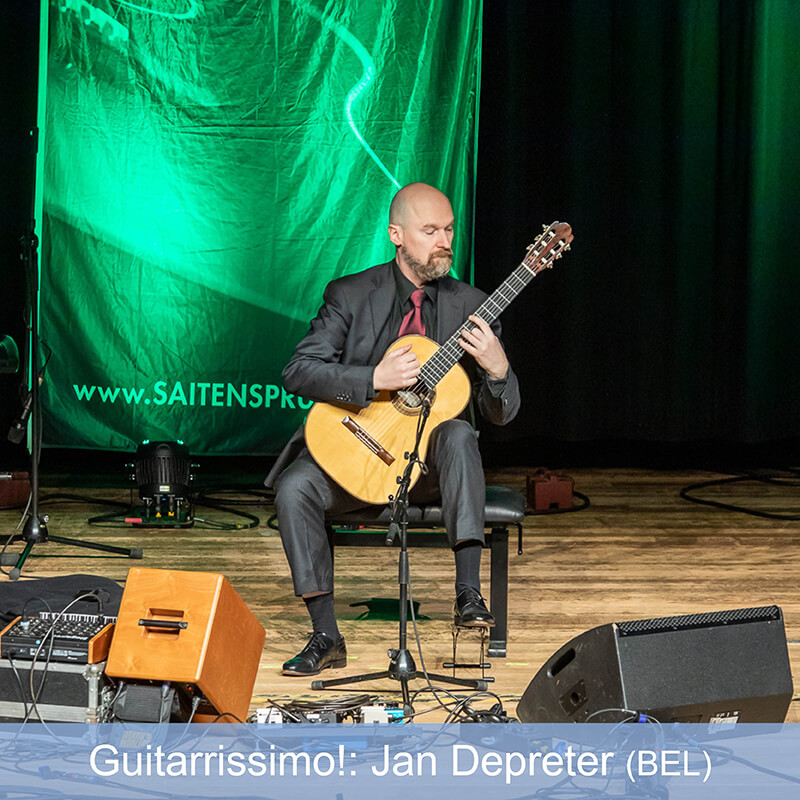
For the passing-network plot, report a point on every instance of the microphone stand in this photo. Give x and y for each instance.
(35, 530)
(401, 663)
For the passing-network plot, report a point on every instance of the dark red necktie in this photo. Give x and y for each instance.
(412, 322)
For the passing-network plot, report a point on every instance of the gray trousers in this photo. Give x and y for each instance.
(305, 494)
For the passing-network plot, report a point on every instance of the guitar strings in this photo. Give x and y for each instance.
(451, 352)
(448, 354)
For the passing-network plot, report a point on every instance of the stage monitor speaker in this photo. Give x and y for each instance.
(191, 629)
(725, 667)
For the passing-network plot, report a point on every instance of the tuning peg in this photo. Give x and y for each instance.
(545, 227)
(529, 247)
(566, 247)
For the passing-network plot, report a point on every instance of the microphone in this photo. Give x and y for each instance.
(16, 433)
(391, 534)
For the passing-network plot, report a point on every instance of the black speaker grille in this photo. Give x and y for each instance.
(708, 620)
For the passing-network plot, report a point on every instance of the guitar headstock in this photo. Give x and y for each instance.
(548, 246)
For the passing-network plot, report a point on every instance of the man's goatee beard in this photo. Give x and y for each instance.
(435, 267)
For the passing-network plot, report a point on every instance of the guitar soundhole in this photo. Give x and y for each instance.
(409, 401)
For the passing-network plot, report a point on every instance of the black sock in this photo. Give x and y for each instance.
(323, 618)
(468, 565)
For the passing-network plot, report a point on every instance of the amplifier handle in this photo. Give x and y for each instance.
(163, 623)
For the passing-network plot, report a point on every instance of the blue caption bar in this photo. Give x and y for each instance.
(392, 761)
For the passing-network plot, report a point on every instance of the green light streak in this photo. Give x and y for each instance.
(190, 14)
(359, 88)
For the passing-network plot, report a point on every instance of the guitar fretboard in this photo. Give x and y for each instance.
(548, 247)
(451, 351)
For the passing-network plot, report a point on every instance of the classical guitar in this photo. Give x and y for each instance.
(362, 449)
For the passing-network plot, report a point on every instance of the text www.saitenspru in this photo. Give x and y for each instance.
(195, 393)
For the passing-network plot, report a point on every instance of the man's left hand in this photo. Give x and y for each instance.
(485, 348)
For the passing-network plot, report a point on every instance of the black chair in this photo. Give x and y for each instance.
(504, 507)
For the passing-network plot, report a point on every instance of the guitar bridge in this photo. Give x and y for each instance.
(368, 441)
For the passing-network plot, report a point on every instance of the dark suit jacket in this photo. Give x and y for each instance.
(349, 335)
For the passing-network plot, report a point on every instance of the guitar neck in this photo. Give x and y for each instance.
(451, 351)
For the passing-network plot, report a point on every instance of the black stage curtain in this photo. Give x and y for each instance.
(668, 135)
(19, 49)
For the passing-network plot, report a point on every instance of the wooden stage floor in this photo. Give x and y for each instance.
(639, 551)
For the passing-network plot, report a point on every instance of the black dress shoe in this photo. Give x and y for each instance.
(320, 653)
(470, 610)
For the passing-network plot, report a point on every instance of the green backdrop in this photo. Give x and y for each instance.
(209, 165)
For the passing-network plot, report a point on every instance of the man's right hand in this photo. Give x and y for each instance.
(398, 369)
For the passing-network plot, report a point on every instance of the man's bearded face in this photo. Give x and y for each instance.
(438, 264)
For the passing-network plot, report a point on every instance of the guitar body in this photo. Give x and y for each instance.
(362, 448)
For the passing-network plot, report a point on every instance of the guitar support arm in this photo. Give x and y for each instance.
(399, 517)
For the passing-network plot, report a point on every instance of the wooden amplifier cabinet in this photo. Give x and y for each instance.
(188, 628)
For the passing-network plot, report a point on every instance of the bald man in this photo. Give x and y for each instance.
(343, 358)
